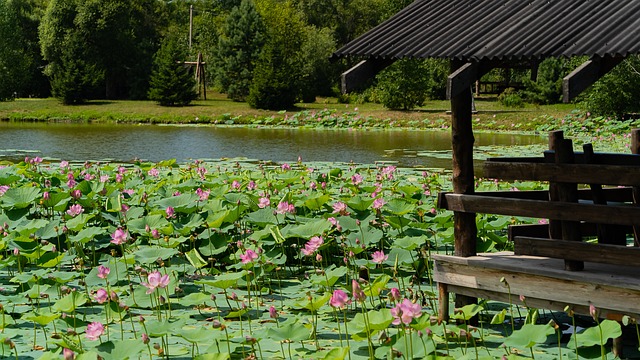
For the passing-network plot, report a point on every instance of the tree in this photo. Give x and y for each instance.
(171, 82)
(277, 78)
(319, 75)
(617, 92)
(20, 58)
(114, 40)
(239, 48)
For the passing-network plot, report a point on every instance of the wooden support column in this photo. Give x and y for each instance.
(635, 149)
(358, 76)
(465, 230)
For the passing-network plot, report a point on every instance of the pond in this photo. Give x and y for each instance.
(73, 141)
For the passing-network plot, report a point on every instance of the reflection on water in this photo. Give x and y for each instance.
(155, 143)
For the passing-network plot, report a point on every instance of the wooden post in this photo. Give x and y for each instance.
(607, 234)
(635, 149)
(568, 192)
(555, 228)
(443, 302)
(462, 140)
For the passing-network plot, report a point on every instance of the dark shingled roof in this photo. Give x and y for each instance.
(503, 30)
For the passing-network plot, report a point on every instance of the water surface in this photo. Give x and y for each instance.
(71, 141)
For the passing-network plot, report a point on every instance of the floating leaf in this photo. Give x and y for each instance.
(71, 302)
(223, 281)
(195, 259)
(19, 198)
(292, 332)
(40, 318)
(467, 312)
(151, 254)
(610, 330)
(529, 335)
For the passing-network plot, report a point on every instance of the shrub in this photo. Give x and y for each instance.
(511, 98)
(407, 83)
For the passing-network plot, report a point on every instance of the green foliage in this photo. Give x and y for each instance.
(616, 93)
(99, 48)
(239, 48)
(407, 83)
(171, 82)
(319, 74)
(277, 80)
(547, 89)
(19, 50)
(511, 98)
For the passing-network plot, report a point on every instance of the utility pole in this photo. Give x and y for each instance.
(190, 24)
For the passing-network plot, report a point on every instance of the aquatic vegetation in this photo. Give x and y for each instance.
(233, 259)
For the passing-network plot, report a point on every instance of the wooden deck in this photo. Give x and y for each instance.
(613, 289)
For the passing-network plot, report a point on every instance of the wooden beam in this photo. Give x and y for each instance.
(573, 173)
(615, 194)
(614, 288)
(542, 230)
(604, 214)
(581, 251)
(586, 74)
(358, 76)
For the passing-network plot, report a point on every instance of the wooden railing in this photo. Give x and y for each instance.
(591, 196)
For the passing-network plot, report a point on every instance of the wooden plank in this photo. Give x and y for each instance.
(586, 74)
(615, 194)
(627, 277)
(561, 249)
(542, 230)
(555, 226)
(537, 303)
(571, 173)
(604, 291)
(605, 214)
(598, 158)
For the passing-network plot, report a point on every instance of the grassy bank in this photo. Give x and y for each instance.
(217, 109)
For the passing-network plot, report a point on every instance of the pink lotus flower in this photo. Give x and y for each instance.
(378, 203)
(104, 178)
(94, 330)
(339, 299)
(68, 354)
(340, 208)
(145, 338)
(64, 164)
(285, 166)
(272, 312)
(75, 210)
(356, 179)
(333, 221)
(379, 257)
(251, 186)
(395, 294)
(171, 213)
(103, 271)
(101, 296)
(248, 257)
(203, 195)
(119, 237)
(3, 189)
(153, 172)
(156, 280)
(284, 207)
(312, 245)
(76, 194)
(405, 312)
(155, 233)
(45, 196)
(235, 185)
(357, 293)
(263, 202)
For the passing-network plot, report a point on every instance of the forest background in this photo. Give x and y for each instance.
(269, 53)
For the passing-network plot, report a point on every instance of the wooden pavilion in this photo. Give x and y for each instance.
(477, 36)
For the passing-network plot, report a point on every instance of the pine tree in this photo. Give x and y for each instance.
(239, 48)
(171, 82)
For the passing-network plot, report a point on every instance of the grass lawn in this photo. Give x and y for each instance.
(491, 114)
